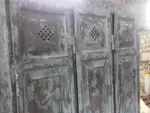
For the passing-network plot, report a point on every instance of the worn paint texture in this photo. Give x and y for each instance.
(43, 58)
(5, 81)
(63, 57)
(126, 64)
(94, 69)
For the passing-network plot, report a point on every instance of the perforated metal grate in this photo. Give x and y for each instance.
(127, 33)
(94, 33)
(46, 34)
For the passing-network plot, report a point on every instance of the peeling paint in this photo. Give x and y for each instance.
(94, 70)
(44, 63)
(5, 81)
(126, 65)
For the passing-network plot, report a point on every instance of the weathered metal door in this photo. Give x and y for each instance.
(46, 65)
(93, 59)
(126, 64)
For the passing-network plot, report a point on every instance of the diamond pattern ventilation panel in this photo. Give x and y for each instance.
(94, 33)
(127, 34)
(46, 34)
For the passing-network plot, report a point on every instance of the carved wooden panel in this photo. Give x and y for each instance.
(93, 58)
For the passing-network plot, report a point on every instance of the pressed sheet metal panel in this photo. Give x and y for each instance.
(126, 65)
(126, 88)
(125, 32)
(48, 90)
(46, 79)
(44, 32)
(93, 61)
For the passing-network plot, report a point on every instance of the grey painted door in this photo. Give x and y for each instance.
(46, 67)
(93, 59)
(45, 63)
(126, 64)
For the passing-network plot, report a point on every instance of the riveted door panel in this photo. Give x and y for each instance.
(126, 64)
(93, 58)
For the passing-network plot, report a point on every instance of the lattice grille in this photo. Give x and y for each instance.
(127, 34)
(46, 34)
(94, 33)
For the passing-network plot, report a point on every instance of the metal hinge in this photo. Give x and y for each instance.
(74, 52)
(112, 43)
(74, 49)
